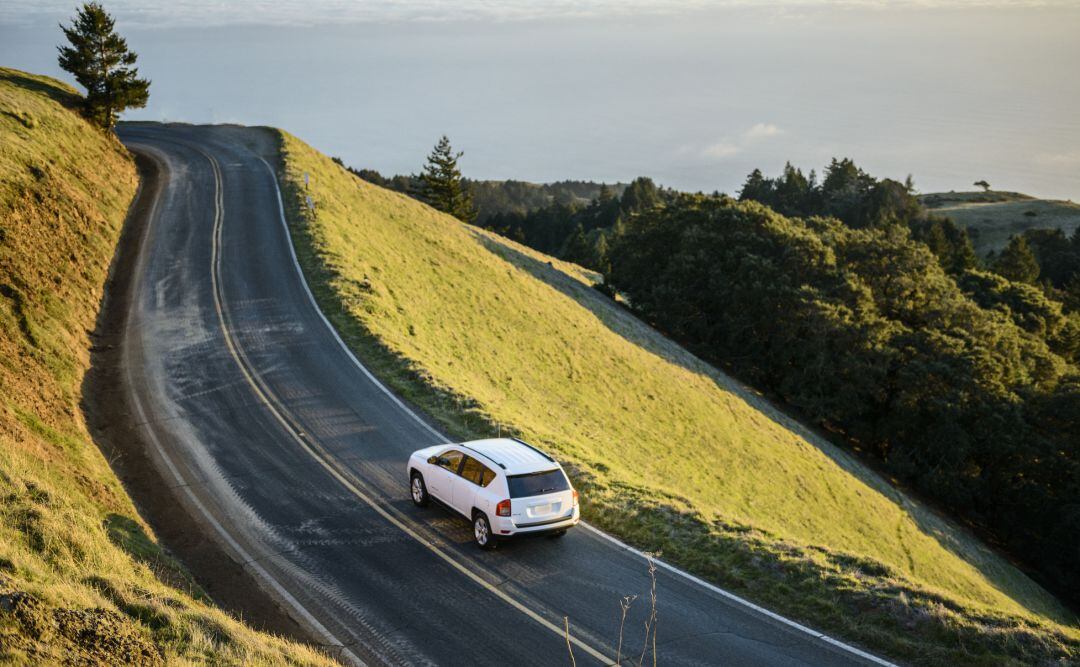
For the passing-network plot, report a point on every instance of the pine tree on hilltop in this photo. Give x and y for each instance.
(102, 63)
(441, 185)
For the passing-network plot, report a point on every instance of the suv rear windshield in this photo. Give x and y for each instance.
(537, 483)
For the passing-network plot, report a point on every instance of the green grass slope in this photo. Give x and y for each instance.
(991, 218)
(670, 453)
(82, 580)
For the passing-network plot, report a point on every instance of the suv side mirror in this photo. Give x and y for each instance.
(433, 460)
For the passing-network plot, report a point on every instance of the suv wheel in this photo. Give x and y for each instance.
(482, 531)
(418, 490)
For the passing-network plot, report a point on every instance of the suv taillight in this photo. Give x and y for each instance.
(503, 508)
(575, 497)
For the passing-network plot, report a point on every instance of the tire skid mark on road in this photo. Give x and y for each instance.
(343, 476)
(247, 561)
(300, 564)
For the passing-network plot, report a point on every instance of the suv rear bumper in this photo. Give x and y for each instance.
(505, 526)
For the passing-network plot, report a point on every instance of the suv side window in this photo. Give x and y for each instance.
(451, 460)
(487, 476)
(472, 470)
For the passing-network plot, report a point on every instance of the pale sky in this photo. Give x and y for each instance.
(173, 13)
(695, 94)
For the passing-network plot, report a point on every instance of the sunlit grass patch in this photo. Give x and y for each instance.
(672, 455)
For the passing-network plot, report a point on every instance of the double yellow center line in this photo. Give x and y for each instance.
(327, 461)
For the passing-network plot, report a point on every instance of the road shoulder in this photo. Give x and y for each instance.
(116, 432)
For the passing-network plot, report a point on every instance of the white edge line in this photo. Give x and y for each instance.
(247, 558)
(735, 598)
(266, 396)
(384, 512)
(667, 566)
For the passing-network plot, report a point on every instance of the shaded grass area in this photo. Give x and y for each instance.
(992, 218)
(671, 455)
(82, 577)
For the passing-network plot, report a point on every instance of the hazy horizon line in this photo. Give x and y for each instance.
(187, 13)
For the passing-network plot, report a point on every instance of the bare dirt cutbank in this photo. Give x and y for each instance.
(117, 432)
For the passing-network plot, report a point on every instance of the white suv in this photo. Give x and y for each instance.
(505, 486)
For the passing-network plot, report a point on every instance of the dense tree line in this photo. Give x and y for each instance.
(503, 197)
(575, 232)
(859, 200)
(569, 219)
(404, 183)
(495, 197)
(963, 385)
(846, 192)
(1043, 257)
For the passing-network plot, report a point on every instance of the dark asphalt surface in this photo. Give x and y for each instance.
(272, 431)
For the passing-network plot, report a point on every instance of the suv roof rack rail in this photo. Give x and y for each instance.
(544, 454)
(487, 456)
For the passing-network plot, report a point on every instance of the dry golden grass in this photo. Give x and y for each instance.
(82, 579)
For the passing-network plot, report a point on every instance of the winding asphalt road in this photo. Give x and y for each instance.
(283, 445)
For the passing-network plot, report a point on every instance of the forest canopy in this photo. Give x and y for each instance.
(964, 387)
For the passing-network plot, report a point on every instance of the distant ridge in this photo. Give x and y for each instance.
(991, 218)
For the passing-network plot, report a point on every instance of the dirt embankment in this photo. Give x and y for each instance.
(83, 579)
(117, 432)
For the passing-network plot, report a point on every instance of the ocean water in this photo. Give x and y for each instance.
(694, 95)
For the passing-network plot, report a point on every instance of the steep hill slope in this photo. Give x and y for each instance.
(82, 579)
(671, 454)
(991, 218)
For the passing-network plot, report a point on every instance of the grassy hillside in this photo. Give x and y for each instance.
(992, 217)
(82, 579)
(670, 453)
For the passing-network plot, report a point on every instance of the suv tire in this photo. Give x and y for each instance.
(485, 539)
(418, 490)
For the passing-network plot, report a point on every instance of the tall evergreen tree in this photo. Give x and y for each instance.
(101, 62)
(950, 243)
(1016, 262)
(792, 192)
(577, 248)
(757, 188)
(605, 195)
(602, 251)
(441, 185)
(641, 195)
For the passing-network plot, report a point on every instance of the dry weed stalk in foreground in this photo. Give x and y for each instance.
(650, 624)
(566, 624)
(624, 605)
